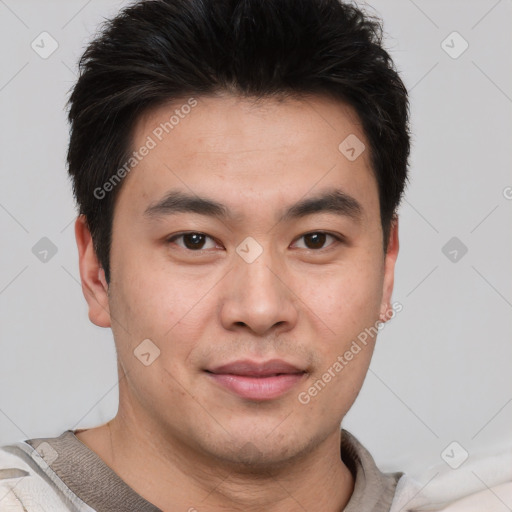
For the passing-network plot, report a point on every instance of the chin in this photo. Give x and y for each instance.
(262, 450)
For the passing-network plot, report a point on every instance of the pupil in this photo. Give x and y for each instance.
(317, 239)
(194, 241)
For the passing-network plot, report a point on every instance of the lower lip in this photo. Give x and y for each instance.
(258, 388)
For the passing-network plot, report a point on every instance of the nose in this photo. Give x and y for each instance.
(258, 297)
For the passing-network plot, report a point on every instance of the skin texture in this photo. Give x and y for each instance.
(179, 439)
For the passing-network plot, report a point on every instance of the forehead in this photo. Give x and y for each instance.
(249, 152)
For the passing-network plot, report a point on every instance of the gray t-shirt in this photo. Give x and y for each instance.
(62, 474)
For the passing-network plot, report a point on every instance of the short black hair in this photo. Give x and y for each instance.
(155, 51)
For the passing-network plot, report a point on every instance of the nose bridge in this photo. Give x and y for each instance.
(257, 296)
(261, 286)
(259, 276)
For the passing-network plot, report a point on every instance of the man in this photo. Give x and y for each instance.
(238, 166)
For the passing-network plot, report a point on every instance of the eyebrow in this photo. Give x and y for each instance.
(331, 201)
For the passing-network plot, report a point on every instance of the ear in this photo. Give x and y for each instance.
(94, 284)
(389, 271)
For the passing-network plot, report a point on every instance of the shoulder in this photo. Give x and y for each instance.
(27, 484)
(21, 487)
(484, 483)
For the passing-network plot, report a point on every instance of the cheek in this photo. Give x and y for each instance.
(154, 297)
(155, 305)
(347, 298)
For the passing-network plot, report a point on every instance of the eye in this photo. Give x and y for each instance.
(317, 239)
(193, 241)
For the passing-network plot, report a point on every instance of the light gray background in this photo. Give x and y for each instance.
(441, 371)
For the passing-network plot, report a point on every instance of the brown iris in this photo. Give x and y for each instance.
(194, 240)
(315, 240)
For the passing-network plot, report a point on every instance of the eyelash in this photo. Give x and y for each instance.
(337, 238)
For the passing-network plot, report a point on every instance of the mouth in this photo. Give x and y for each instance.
(257, 381)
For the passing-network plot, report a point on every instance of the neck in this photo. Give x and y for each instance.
(172, 476)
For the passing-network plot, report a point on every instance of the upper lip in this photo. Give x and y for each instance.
(258, 369)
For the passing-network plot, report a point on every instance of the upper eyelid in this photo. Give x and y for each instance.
(178, 235)
(338, 237)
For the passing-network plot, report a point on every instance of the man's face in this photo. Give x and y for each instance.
(252, 285)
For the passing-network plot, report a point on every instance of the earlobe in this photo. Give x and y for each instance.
(94, 285)
(389, 271)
